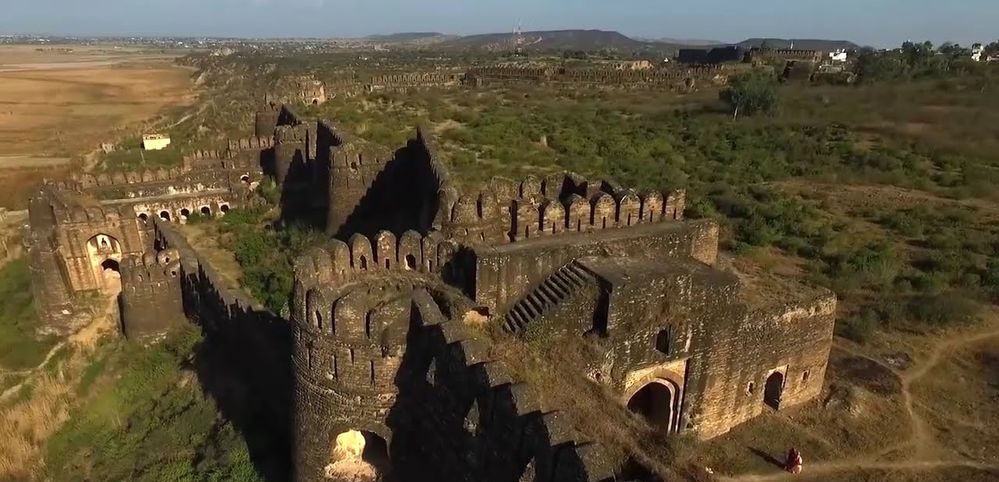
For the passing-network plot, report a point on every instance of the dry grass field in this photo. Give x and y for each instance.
(58, 105)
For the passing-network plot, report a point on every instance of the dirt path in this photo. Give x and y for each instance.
(25, 424)
(922, 449)
(86, 338)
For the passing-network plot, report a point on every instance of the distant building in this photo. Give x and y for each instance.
(633, 65)
(785, 55)
(155, 142)
(716, 55)
(977, 51)
(839, 55)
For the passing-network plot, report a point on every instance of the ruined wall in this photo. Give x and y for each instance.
(671, 78)
(504, 274)
(764, 54)
(393, 82)
(244, 360)
(794, 339)
(49, 279)
(150, 300)
(372, 190)
(202, 176)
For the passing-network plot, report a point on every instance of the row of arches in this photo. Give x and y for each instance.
(181, 215)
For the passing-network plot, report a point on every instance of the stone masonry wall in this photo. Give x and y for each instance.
(150, 300)
(504, 274)
(405, 372)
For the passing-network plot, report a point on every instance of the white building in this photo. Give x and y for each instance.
(977, 50)
(155, 142)
(839, 55)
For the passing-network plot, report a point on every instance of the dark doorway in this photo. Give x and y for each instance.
(110, 265)
(206, 211)
(654, 402)
(664, 341)
(165, 215)
(144, 217)
(376, 452)
(774, 390)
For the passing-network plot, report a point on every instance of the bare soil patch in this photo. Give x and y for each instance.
(59, 104)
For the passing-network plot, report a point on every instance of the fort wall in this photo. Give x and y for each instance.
(373, 190)
(792, 340)
(444, 410)
(150, 300)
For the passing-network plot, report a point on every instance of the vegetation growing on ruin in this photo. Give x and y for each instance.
(266, 250)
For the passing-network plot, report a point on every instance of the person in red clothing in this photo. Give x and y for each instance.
(793, 463)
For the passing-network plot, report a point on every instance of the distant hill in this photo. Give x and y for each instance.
(807, 44)
(690, 42)
(410, 37)
(587, 40)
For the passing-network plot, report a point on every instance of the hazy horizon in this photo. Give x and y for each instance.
(872, 22)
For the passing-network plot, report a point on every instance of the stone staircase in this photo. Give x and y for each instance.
(551, 293)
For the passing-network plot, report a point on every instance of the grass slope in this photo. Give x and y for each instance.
(19, 348)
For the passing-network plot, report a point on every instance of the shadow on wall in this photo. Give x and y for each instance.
(244, 364)
(457, 418)
(402, 196)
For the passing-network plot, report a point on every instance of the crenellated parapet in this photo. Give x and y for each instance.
(807, 55)
(340, 262)
(250, 143)
(94, 214)
(672, 77)
(151, 302)
(205, 155)
(414, 80)
(565, 203)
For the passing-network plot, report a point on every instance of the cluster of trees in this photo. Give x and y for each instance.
(752, 93)
(915, 60)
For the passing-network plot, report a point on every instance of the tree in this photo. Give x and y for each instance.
(753, 93)
(991, 50)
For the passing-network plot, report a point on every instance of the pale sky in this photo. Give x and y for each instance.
(874, 22)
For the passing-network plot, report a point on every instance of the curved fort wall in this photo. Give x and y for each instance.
(387, 357)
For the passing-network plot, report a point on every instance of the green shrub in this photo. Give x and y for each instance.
(858, 328)
(943, 309)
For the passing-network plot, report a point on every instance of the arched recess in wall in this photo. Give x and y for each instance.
(206, 211)
(773, 391)
(165, 215)
(657, 403)
(358, 455)
(104, 252)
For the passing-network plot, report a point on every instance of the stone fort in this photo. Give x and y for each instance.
(380, 356)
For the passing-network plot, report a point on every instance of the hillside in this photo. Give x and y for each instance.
(809, 44)
(552, 40)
